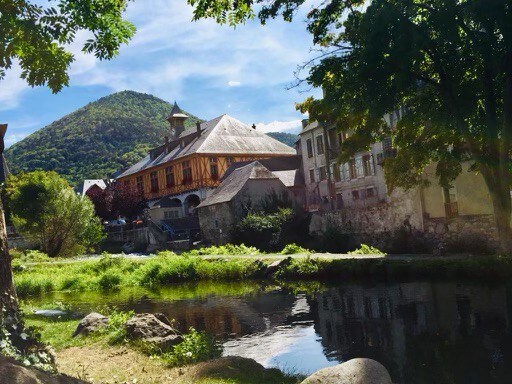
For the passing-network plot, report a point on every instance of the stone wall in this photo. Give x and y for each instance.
(399, 226)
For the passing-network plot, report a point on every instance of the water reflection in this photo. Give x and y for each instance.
(423, 332)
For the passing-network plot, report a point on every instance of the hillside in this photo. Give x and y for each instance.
(285, 138)
(107, 135)
(96, 140)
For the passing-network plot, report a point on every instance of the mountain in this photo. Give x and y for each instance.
(94, 141)
(286, 138)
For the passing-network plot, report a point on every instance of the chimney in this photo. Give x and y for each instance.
(253, 126)
(198, 128)
(305, 123)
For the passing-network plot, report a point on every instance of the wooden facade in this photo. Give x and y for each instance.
(184, 174)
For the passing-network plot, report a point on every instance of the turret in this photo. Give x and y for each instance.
(177, 121)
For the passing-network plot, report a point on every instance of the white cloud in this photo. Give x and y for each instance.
(233, 83)
(292, 126)
(13, 138)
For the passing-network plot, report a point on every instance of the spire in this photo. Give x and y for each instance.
(176, 112)
(177, 120)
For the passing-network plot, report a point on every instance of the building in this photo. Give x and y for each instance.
(92, 185)
(357, 195)
(189, 164)
(245, 189)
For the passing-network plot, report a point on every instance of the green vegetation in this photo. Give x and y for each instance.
(44, 206)
(285, 138)
(367, 250)
(107, 135)
(195, 347)
(292, 249)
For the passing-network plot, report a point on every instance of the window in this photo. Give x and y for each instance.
(229, 161)
(187, 172)
(352, 169)
(140, 185)
(370, 192)
(214, 168)
(323, 173)
(153, 178)
(367, 165)
(345, 174)
(451, 206)
(169, 177)
(310, 147)
(359, 167)
(355, 195)
(336, 172)
(126, 183)
(311, 175)
(171, 215)
(320, 145)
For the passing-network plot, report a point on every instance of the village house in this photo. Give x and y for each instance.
(177, 175)
(246, 188)
(358, 193)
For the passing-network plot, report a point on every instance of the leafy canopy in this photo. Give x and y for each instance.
(44, 206)
(38, 36)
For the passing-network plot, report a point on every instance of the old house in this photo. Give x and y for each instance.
(189, 164)
(245, 188)
(356, 196)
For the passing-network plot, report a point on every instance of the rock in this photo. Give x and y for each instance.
(12, 372)
(356, 371)
(278, 264)
(50, 312)
(91, 323)
(146, 326)
(164, 319)
(164, 344)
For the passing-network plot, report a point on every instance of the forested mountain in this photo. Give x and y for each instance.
(286, 138)
(107, 135)
(98, 139)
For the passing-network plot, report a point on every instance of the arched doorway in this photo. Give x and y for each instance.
(191, 202)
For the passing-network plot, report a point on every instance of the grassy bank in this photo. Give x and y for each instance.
(111, 273)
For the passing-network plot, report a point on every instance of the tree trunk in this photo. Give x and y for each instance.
(8, 299)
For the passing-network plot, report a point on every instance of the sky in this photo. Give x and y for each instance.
(208, 69)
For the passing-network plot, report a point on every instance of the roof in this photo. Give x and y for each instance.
(290, 178)
(278, 163)
(176, 112)
(309, 127)
(222, 135)
(88, 183)
(168, 202)
(235, 182)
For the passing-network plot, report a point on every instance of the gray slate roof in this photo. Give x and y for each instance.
(278, 163)
(234, 183)
(290, 178)
(222, 135)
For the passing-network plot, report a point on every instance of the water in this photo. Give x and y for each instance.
(423, 332)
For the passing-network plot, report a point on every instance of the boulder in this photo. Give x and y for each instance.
(12, 372)
(356, 371)
(164, 344)
(91, 323)
(146, 326)
(278, 264)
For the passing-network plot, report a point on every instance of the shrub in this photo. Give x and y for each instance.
(30, 286)
(107, 261)
(292, 249)
(73, 283)
(195, 347)
(29, 256)
(224, 250)
(116, 328)
(365, 249)
(109, 281)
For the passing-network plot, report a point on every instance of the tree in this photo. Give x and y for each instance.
(37, 37)
(116, 200)
(447, 63)
(44, 206)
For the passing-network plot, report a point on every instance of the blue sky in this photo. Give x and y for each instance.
(209, 69)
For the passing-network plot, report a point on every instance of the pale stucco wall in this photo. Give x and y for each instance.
(472, 194)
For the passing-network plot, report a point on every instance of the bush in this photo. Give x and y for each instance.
(292, 249)
(107, 261)
(195, 347)
(224, 250)
(29, 256)
(30, 286)
(365, 249)
(116, 328)
(110, 280)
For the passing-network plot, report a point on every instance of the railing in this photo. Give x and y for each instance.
(451, 209)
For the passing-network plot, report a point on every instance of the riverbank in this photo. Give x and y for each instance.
(111, 273)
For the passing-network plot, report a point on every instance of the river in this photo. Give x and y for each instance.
(422, 331)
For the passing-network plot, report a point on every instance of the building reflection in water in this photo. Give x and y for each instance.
(423, 332)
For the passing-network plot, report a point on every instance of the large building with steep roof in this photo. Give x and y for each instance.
(188, 166)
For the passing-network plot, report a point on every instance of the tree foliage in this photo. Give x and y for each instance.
(446, 64)
(37, 35)
(115, 201)
(44, 206)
